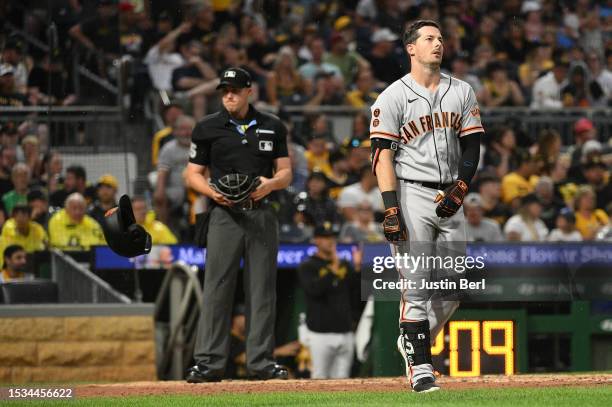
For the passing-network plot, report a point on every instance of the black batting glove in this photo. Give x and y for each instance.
(393, 224)
(450, 200)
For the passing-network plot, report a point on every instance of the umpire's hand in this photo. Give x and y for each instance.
(393, 225)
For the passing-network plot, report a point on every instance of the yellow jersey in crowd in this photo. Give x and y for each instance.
(160, 233)
(35, 240)
(64, 234)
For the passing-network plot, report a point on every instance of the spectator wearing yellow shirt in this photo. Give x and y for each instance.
(72, 229)
(589, 219)
(520, 182)
(317, 155)
(21, 230)
(160, 233)
(364, 94)
(169, 114)
(14, 264)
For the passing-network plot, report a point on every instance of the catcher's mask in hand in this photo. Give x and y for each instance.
(236, 188)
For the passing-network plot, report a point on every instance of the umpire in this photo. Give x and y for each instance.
(235, 143)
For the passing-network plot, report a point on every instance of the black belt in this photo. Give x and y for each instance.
(250, 204)
(432, 185)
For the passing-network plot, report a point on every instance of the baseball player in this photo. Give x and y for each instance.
(425, 136)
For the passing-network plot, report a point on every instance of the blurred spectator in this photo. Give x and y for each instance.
(311, 68)
(339, 173)
(299, 166)
(169, 193)
(591, 34)
(75, 181)
(358, 156)
(31, 154)
(20, 177)
(499, 90)
(539, 61)
(37, 200)
(581, 91)
(514, 45)
(160, 234)
(285, 85)
(260, 50)
(605, 233)
(484, 55)
(551, 204)
(330, 286)
(8, 95)
(364, 191)
(489, 188)
(361, 130)
(100, 33)
(502, 156)
(8, 158)
(364, 94)
(349, 62)
(22, 231)
(314, 207)
(584, 130)
(478, 228)
(317, 154)
(9, 137)
(14, 262)
(565, 230)
(526, 225)
(589, 218)
(170, 113)
(51, 176)
(546, 91)
(519, 183)
(195, 77)
(328, 90)
(71, 229)
(162, 59)
(203, 21)
(50, 72)
(363, 229)
(106, 197)
(548, 149)
(594, 175)
(461, 70)
(384, 65)
(12, 54)
(600, 74)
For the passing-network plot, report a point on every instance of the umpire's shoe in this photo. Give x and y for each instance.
(274, 371)
(202, 374)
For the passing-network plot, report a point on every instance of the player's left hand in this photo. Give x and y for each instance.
(450, 200)
(263, 190)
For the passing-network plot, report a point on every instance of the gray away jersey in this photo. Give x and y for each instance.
(409, 114)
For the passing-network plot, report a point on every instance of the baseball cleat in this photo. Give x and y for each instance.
(425, 385)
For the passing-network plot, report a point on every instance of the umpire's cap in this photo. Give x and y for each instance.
(123, 235)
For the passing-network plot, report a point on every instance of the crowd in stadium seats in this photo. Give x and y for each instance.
(530, 187)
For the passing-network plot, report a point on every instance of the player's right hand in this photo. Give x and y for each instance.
(393, 225)
(220, 199)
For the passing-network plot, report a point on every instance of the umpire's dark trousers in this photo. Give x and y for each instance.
(253, 235)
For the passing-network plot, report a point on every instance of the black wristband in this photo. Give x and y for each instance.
(390, 199)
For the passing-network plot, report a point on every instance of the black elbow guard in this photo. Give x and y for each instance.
(377, 145)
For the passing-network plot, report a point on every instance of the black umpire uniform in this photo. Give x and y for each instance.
(229, 146)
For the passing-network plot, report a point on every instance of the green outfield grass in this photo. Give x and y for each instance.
(514, 397)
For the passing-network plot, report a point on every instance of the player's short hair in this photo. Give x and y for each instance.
(412, 32)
